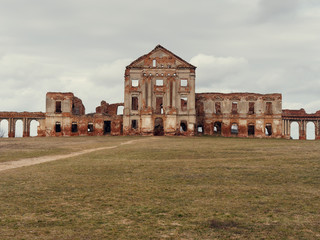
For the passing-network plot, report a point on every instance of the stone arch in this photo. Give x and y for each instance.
(294, 130)
(158, 127)
(18, 126)
(311, 130)
(34, 124)
(234, 129)
(4, 128)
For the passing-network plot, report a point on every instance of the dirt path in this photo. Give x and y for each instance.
(32, 161)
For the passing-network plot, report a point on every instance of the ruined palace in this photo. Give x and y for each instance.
(160, 99)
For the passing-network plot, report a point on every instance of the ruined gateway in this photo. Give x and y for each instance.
(160, 99)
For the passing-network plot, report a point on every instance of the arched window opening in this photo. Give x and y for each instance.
(4, 126)
(200, 129)
(234, 129)
(294, 130)
(19, 129)
(311, 131)
(34, 128)
(183, 126)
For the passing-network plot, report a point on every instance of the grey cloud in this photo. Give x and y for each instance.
(83, 47)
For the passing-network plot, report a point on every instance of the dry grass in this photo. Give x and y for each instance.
(167, 188)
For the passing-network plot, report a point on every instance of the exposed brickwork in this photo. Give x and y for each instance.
(160, 99)
(218, 112)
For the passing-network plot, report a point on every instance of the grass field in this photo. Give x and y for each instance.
(162, 188)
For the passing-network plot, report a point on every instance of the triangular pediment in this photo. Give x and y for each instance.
(160, 57)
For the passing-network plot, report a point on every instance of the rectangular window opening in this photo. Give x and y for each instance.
(74, 127)
(218, 107)
(58, 106)
(159, 105)
(184, 103)
(217, 128)
(134, 83)
(268, 129)
(154, 63)
(250, 130)
(184, 83)
(134, 124)
(58, 127)
(90, 127)
(120, 110)
(268, 107)
(251, 108)
(134, 103)
(159, 82)
(234, 107)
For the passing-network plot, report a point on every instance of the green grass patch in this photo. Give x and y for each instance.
(167, 188)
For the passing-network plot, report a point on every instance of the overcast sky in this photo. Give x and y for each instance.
(262, 46)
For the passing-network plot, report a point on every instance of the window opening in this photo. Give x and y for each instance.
(154, 63)
(184, 83)
(120, 110)
(159, 105)
(234, 107)
(74, 127)
(58, 127)
(159, 82)
(58, 106)
(90, 127)
(218, 107)
(134, 103)
(200, 129)
(268, 129)
(268, 107)
(251, 108)
(134, 124)
(234, 129)
(217, 127)
(183, 126)
(250, 130)
(184, 103)
(134, 83)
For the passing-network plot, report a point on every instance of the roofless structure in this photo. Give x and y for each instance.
(160, 99)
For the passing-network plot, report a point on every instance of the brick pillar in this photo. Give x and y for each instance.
(11, 127)
(302, 132)
(26, 127)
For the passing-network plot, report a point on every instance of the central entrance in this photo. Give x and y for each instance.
(158, 127)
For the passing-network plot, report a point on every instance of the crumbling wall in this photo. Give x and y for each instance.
(159, 94)
(239, 114)
(65, 116)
